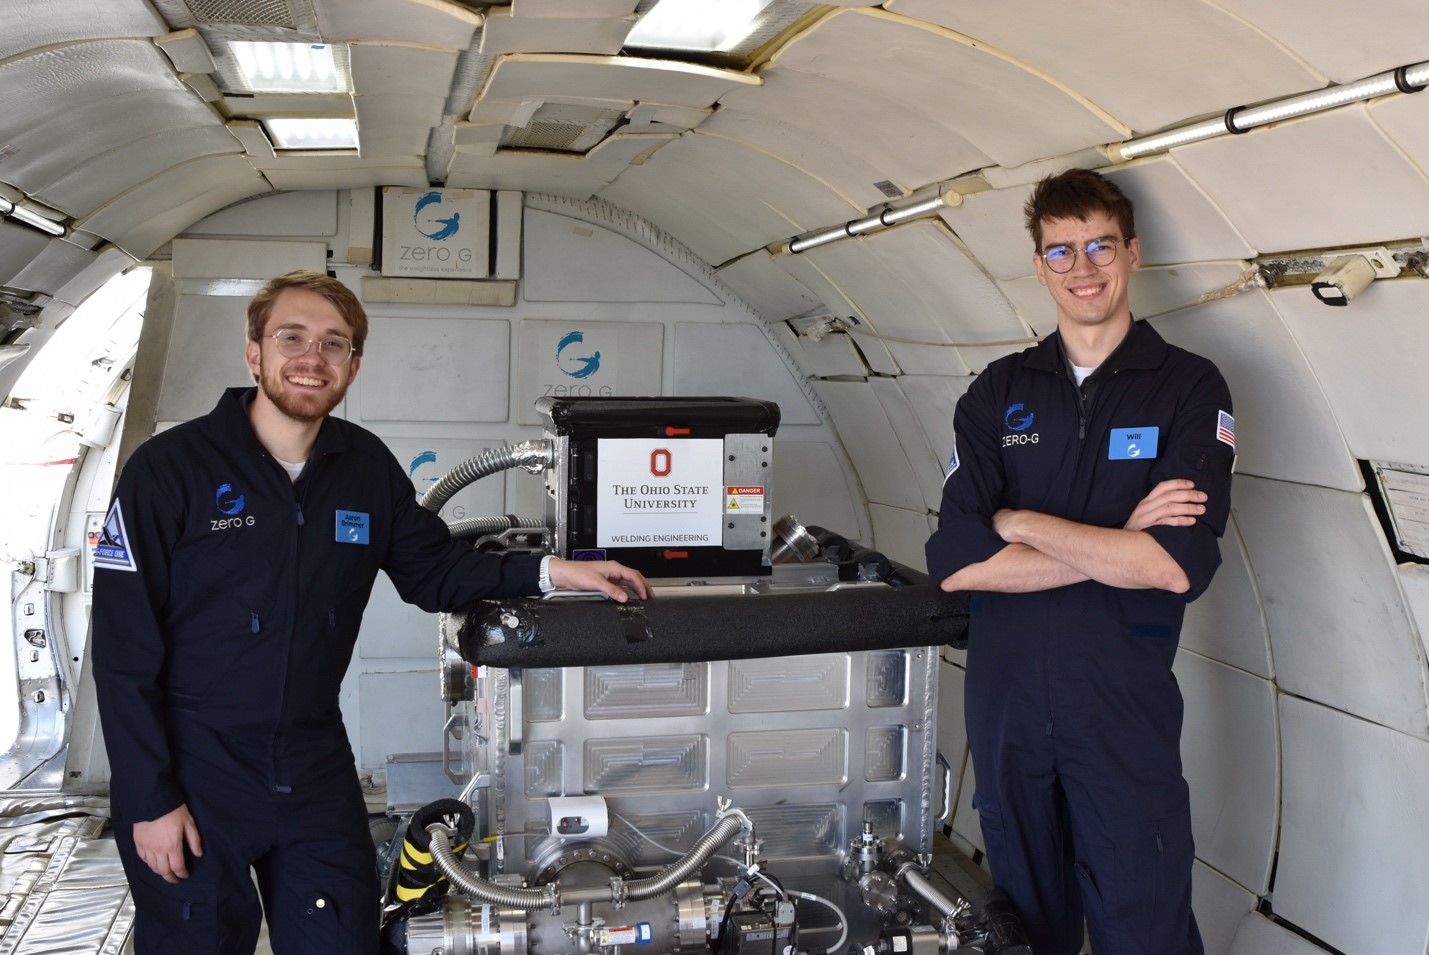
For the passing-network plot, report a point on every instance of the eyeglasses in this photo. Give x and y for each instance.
(1101, 252)
(333, 349)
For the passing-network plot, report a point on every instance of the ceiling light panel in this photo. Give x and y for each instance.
(699, 25)
(320, 133)
(287, 67)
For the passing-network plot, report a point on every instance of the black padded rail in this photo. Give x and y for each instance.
(642, 417)
(523, 632)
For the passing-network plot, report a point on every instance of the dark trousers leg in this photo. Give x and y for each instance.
(214, 911)
(1023, 814)
(319, 878)
(1132, 834)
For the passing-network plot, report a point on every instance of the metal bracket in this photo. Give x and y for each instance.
(452, 730)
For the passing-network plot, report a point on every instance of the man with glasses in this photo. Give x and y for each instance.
(238, 556)
(1088, 487)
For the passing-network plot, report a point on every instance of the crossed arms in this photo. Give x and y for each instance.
(1044, 552)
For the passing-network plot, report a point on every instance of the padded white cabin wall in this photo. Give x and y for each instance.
(442, 382)
(1352, 863)
(1220, 905)
(1340, 630)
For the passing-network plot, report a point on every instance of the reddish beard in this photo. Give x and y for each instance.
(303, 407)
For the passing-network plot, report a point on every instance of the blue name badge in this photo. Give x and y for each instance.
(352, 527)
(1129, 444)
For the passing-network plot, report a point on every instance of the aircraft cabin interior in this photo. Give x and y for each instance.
(804, 222)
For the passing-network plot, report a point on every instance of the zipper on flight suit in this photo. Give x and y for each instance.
(282, 688)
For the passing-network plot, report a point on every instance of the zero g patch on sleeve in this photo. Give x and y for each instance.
(353, 527)
(1130, 444)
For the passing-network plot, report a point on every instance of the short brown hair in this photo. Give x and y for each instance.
(1077, 194)
(341, 297)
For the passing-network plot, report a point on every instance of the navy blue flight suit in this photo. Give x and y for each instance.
(1074, 716)
(227, 601)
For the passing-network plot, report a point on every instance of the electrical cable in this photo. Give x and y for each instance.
(836, 947)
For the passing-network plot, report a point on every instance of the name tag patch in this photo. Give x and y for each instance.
(1129, 444)
(352, 527)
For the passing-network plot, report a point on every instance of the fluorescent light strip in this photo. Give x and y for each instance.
(1406, 79)
(876, 222)
(322, 133)
(287, 67)
(9, 210)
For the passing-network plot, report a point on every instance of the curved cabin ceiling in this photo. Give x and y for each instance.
(125, 122)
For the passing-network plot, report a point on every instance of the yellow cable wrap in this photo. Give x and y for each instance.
(421, 865)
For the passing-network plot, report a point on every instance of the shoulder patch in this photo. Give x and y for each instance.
(1225, 429)
(112, 549)
(952, 461)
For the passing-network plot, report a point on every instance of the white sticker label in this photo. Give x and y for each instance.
(744, 500)
(659, 492)
(618, 935)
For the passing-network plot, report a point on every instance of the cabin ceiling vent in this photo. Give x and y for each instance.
(268, 13)
(563, 127)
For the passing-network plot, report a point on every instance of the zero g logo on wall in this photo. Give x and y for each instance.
(585, 365)
(573, 362)
(436, 233)
(574, 358)
(1018, 420)
(429, 221)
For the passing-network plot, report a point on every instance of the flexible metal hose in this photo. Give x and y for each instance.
(533, 456)
(944, 905)
(481, 526)
(677, 872)
(465, 881)
(550, 894)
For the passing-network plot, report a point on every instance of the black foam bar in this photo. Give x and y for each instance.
(523, 632)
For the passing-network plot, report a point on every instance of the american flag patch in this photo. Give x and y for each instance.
(1225, 428)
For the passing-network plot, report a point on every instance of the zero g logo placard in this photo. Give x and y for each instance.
(436, 233)
(586, 359)
(651, 492)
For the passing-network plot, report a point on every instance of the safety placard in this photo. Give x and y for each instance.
(656, 492)
(744, 500)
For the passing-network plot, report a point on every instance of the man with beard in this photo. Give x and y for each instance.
(238, 556)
